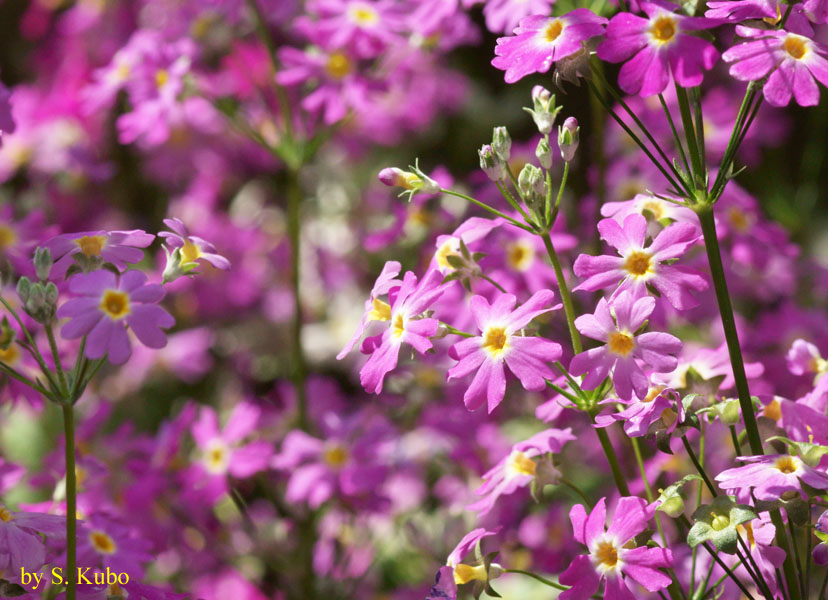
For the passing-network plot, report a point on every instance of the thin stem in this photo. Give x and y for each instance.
(696, 159)
(823, 586)
(676, 137)
(551, 214)
(572, 383)
(566, 298)
(719, 582)
(787, 566)
(697, 106)
(698, 466)
(454, 331)
(714, 256)
(50, 333)
(32, 347)
(71, 500)
(797, 557)
(578, 491)
(612, 458)
(491, 209)
(7, 370)
(543, 580)
(504, 191)
(493, 282)
(735, 439)
(733, 143)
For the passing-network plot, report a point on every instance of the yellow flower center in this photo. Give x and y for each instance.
(335, 456)
(553, 31)
(102, 543)
(7, 236)
(655, 207)
(606, 554)
(787, 464)
(5, 514)
(91, 245)
(162, 76)
(520, 255)
(620, 343)
(115, 304)
(653, 393)
(398, 326)
(363, 15)
(663, 29)
(520, 464)
(381, 311)
(466, 573)
(495, 341)
(216, 456)
(338, 65)
(10, 355)
(739, 220)
(189, 252)
(795, 45)
(773, 410)
(638, 263)
(443, 252)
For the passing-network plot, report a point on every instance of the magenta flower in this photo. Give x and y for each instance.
(104, 542)
(540, 41)
(610, 556)
(624, 351)
(108, 304)
(660, 404)
(804, 358)
(657, 47)
(21, 538)
(526, 356)
(771, 477)
(187, 250)
(517, 469)
(117, 247)
(502, 16)
(791, 63)
(638, 266)
(407, 325)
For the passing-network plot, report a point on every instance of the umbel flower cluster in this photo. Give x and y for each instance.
(593, 368)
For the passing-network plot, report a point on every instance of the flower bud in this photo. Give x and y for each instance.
(413, 181)
(492, 164)
(568, 138)
(7, 334)
(42, 263)
(673, 506)
(502, 143)
(544, 153)
(24, 286)
(531, 183)
(544, 112)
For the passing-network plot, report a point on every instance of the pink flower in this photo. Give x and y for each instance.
(526, 356)
(407, 325)
(21, 538)
(187, 250)
(624, 351)
(804, 357)
(658, 47)
(517, 469)
(790, 62)
(540, 41)
(610, 558)
(95, 247)
(638, 266)
(108, 304)
(660, 404)
(502, 16)
(771, 477)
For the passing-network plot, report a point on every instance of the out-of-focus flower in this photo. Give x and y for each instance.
(93, 248)
(187, 251)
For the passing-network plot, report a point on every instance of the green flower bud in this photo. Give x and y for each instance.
(569, 138)
(502, 143)
(544, 153)
(544, 112)
(532, 184)
(43, 263)
(494, 166)
(24, 286)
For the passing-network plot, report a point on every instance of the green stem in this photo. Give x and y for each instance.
(698, 466)
(714, 256)
(797, 558)
(578, 491)
(676, 137)
(544, 580)
(696, 159)
(493, 282)
(787, 566)
(71, 501)
(504, 191)
(552, 212)
(294, 199)
(566, 298)
(824, 585)
(50, 333)
(491, 209)
(5, 369)
(612, 458)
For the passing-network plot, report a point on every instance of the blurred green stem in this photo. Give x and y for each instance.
(71, 500)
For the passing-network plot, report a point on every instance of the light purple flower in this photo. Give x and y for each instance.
(500, 342)
(117, 247)
(771, 11)
(517, 469)
(610, 556)
(107, 305)
(21, 538)
(660, 404)
(772, 476)
(540, 41)
(791, 63)
(187, 250)
(502, 16)
(624, 352)
(804, 358)
(657, 47)
(638, 266)
(407, 325)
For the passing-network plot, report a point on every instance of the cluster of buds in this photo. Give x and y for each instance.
(532, 185)
(40, 298)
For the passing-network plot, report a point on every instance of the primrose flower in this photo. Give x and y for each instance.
(412, 182)
(639, 266)
(772, 477)
(504, 15)
(624, 351)
(659, 404)
(526, 356)
(611, 556)
(540, 41)
(479, 573)
(518, 469)
(187, 250)
(804, 357)
(104, 542)
(407, 324)
(107, 305)
(21, 538)
(657, 47)
(93, 248)
(791, 63)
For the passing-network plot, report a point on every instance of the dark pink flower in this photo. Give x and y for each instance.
(772, 476)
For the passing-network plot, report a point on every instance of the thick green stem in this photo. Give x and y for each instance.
(788, 565)
(696, 158)
(566, 298)
(71, 501)
(612, 458)
(714, 256)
